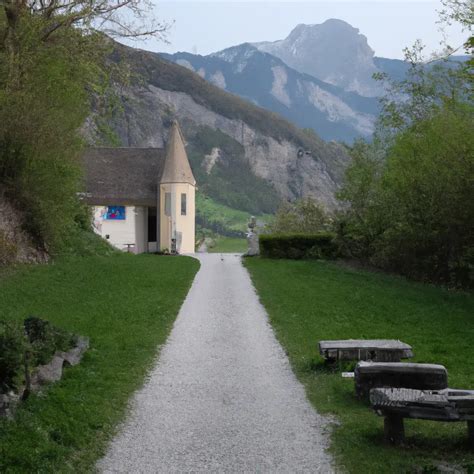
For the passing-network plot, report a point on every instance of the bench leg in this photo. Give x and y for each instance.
(394, 430)
(470, 433)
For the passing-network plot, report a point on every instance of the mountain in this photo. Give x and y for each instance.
(242, 155)
(334, 52)
(267, 81)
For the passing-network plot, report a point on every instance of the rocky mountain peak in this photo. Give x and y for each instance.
(334, 52)
(242, 51)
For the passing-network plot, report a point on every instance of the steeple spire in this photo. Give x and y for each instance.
(177, 168)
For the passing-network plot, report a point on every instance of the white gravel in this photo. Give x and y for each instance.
(222, 396)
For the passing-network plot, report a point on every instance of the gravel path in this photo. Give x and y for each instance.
(222, 396)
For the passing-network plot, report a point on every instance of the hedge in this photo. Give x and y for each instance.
(297, 246)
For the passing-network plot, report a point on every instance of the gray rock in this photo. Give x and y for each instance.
(74, 356)
(252, 239)
(51, 372)
(8, 402)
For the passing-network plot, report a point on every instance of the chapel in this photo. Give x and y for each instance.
(143, 199)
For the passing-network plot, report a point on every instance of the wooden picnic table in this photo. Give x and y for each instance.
(395, 404)
(377, 350)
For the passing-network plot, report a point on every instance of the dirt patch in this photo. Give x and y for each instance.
(15, 244)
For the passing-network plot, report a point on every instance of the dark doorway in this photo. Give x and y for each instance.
(152, 224)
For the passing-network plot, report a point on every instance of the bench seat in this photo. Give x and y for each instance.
(395, 404)
(368, 375)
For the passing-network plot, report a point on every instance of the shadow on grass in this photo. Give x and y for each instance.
(318, 366)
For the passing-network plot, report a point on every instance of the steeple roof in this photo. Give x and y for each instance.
(177, 168)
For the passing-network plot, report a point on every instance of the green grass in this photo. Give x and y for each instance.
(228, 245)
(308, 301)
(210, 211)
(126, 305)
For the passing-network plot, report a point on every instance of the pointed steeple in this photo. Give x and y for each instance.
(177, 168)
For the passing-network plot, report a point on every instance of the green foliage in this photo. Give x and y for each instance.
(412, 213)
(310, 301)
(304, 216)
(12, 350)
(126, 305)
(25, 346)
(44, 340)
(298, 246)
(45, 89)
(221, 219)
(408, 195)
(426, 89)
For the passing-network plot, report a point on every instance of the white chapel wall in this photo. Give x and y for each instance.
(141, 229)
(122, 233)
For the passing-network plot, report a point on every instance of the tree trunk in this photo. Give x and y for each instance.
(13, 11)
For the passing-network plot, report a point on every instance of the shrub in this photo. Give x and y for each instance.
(32, 343)
(412, 211)
(298, 246)
(304, 216)
(45, 339)
(12, 350)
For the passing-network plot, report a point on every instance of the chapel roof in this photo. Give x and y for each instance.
(177, 168)
(122, 176)
(130, 176)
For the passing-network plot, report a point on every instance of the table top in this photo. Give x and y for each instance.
(387, 344)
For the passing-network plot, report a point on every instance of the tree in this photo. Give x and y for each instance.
(408, 193)
(304, 216)
(53, 61)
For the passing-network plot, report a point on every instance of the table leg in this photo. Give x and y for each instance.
(470, 433)
(394, 429)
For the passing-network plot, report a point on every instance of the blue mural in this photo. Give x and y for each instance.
(115, 213)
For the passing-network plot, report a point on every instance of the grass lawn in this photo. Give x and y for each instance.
(126, 305)
(308, 301)
(212, 211)
(224, 244)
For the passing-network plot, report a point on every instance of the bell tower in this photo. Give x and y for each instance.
(176, 202)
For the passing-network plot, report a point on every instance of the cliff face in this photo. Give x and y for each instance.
(265, 80)
(241, 154)
(334, 52)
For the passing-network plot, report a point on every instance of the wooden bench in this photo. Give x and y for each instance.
(377, 350)
(368, 375)
(395, 404)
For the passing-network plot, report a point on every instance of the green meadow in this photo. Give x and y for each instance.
(126, 305)
(308, 301)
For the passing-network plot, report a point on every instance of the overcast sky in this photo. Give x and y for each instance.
(205, 27)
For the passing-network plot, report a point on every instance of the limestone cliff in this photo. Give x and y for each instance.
(257, 158)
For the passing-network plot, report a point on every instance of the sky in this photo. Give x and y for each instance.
(205, 27)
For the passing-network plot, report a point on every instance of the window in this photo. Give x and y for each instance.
(183, 204)
(167, 204)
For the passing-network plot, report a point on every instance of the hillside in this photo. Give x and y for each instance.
(267, 81)
(243, 156)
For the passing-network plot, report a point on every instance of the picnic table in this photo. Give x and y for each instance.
(395, 404)
(368, 375)
(378, 350)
